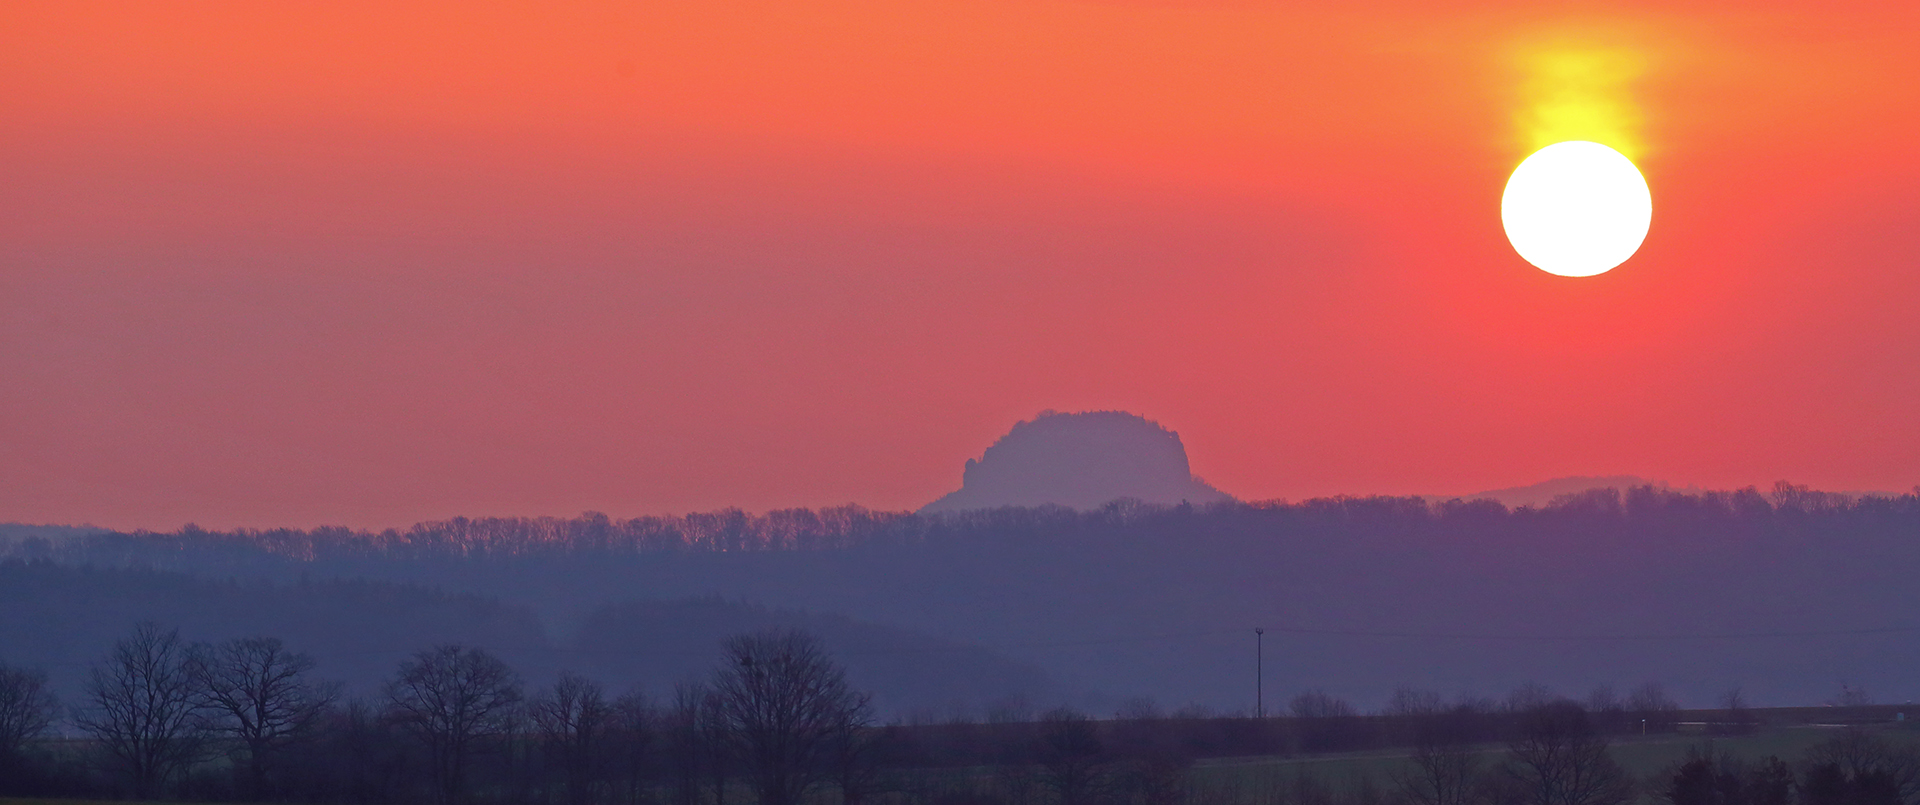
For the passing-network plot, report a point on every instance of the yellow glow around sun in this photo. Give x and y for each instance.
(1580, 93)
(1577, 205)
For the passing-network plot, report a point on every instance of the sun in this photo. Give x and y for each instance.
(1576, 208)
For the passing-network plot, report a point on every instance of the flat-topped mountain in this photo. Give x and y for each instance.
(1082, 461)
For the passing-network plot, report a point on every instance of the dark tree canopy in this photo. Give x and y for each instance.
(1785, 506)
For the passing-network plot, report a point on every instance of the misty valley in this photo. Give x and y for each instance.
(1010, 655)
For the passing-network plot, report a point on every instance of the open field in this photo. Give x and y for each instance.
(1280, 780)
(24, 801)
(1243, 779)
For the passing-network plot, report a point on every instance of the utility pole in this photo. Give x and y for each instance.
(1259, 673)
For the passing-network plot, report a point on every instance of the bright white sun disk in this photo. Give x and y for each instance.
(1576, 208)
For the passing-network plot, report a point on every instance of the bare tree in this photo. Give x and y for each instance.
(451, 698)
(719, 756)
(1608, 712)
(369, 757)
(27, 709)
(263, 696)
(1851, 696)
(1864, 759)
(1152, 759)
(573, 720)
(1324, 723)
(1560, 759)
(515, 773)
(631, 734)
(1444, 768)
(1153, 764)
(1737, 718)
(1405, 714)
(144, 708)
(1651, 704)
(686, 748)
(783, 702)
(1071, 755)
(1530, 696)
(1320, 704)
(1014, 709)
(854, 761)
(1412, 702)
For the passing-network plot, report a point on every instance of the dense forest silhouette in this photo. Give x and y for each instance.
(1786, 509)
(777, 719)
(1788, 593)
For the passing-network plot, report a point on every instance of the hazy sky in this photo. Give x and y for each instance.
(368, 263)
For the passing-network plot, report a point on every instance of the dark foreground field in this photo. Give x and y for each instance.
(1650, 760)
(1331, 778)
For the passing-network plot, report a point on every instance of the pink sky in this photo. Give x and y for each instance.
(333, 263)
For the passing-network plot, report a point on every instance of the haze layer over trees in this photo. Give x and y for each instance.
(1786, 594)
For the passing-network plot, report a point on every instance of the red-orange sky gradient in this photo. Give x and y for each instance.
(369, 263)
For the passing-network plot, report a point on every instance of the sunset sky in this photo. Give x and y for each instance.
(370, 263)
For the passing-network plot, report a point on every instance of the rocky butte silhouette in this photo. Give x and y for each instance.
(1080, 460)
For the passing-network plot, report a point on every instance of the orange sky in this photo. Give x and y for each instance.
(368, 263)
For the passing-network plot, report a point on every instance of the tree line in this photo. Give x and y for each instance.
(778, 723)
(247, 720)
(1559, 755)
(734, 530)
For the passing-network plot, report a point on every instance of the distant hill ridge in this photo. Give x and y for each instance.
(735, 531)
(1365, 593)
(26, 531)
(1545, 492)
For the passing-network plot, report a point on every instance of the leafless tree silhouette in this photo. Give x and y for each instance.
(1650, 703)
(573, 721)
(1851, 696)
(144, 709)
(1444, 768)
(686, 749)
(719, 756)
(1861, 755)
(1071, 755)
(1737, 718)
(632, 736)
(783, 702)
(854, 760)
(451, 698)
(263, 696)
(1320, 704)
(1560, 759)
(27, 709)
